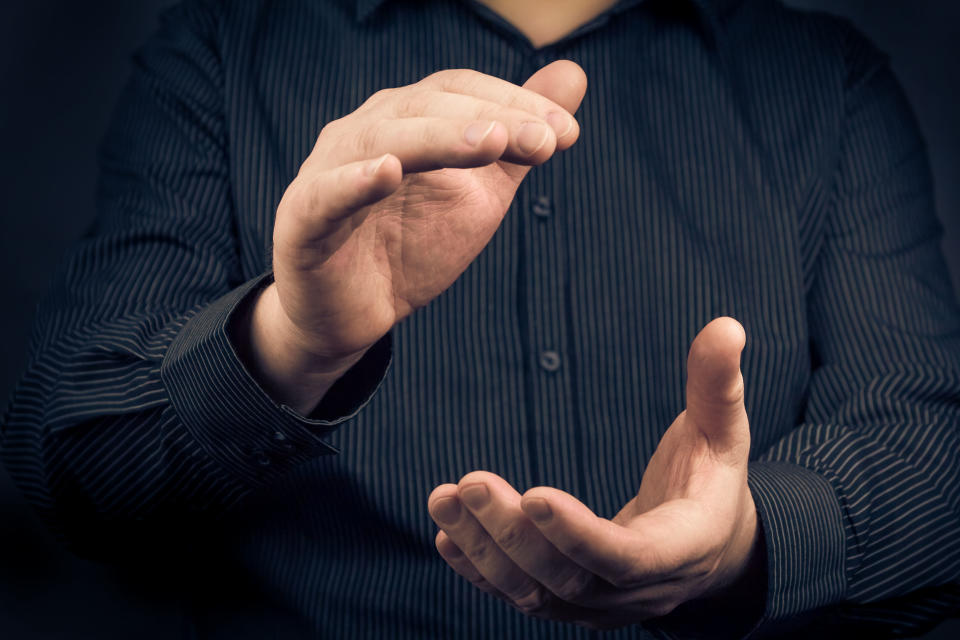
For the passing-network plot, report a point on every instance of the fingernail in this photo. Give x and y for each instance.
(561, 123)
(477, 131)
(446, 510)
(475, 495)
(532, 136)
(537, 508)
(374, 165)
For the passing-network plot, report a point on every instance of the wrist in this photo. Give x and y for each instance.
(731, 611)
(750, 548)
(741, 600)
(277, 356)
(744, 601)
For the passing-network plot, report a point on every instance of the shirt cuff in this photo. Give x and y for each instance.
(232, 418)
(805, 541)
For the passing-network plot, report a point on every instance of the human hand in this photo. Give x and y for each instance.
(393, 203)
(689, 533)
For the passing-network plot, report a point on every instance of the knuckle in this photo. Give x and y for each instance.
(379, 96)
(366, 141)
(511, 537)
(408, 103)
(575, 587)
(451, 78)
(478, 551)
(533, 602)
(431, 78)
(432, 137)
(331, 128)
(441, 77)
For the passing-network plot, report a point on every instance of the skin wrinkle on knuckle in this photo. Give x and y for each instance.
(512, 537)
(365, 141)
(408, 103)
(573, 588)
(445, 79)
(433, 138)
(477, 552)
(532, 602)
(464, 80)
(339, 145)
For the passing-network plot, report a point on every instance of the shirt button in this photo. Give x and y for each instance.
(541, 207)
(281, 439)
(549, 360)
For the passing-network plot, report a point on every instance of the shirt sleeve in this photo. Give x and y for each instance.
(135, 411)
(860, 504)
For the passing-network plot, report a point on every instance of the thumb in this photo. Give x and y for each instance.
(715, 386)
(562, 81)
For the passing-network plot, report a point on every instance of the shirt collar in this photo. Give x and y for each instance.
(711, 12)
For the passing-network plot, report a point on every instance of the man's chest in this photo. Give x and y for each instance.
(566, 339)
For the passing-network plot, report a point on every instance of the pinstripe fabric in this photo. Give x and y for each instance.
(736, 158)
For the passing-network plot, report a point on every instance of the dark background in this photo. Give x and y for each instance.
(62, 65)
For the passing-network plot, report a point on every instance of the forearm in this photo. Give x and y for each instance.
(861, 509)
(94, 443)
(896, 487)
(731, 613)
(859, 500)
(153, 418)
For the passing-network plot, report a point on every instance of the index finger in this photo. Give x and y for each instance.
(623, 557)
(500, 515)
(480, 85)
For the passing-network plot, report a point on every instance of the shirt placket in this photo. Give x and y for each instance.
(543, 304)
(551, 433)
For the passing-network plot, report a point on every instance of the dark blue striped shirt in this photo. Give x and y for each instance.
(736, 158)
